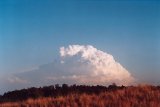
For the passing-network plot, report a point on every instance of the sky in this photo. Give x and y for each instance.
(32, 31)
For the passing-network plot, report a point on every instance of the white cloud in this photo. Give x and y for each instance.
(77, 64)
(92, 66)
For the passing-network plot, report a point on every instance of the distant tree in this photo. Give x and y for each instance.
(113, 86)
(57, 86)
(64, 86)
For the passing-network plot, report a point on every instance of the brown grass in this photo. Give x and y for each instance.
(140, 96)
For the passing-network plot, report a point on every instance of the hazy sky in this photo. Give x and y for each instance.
(32, 31)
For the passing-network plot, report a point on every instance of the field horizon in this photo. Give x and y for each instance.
(83, 96)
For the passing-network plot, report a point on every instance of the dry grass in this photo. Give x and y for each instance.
(141, 96)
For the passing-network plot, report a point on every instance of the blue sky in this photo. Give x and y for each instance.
(31, 32)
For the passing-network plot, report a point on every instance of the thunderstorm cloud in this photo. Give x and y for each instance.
(76, 64)
(93, 66)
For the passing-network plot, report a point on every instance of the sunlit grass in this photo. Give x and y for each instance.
(140, 96)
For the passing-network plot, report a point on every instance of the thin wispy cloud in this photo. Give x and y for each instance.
(16, 80)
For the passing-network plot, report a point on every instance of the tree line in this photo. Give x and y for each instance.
(54, 91)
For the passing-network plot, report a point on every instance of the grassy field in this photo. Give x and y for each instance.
(139, 96)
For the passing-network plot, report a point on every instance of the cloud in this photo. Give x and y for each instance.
(77, 64)
(96, 67)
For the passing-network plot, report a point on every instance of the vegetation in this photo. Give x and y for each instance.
(84, 96)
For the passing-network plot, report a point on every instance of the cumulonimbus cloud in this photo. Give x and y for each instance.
(77, 64)
(93, 66)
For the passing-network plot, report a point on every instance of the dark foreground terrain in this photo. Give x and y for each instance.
(83, 96)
